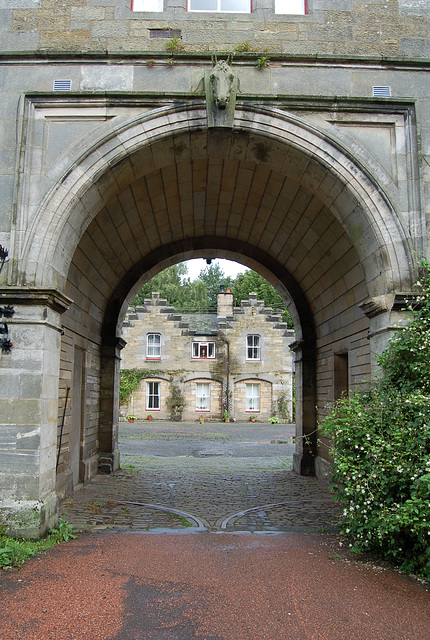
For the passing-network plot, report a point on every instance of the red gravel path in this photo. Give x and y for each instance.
(209, 587)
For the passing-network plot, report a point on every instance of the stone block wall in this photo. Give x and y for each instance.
(78, 420)
(377, 28)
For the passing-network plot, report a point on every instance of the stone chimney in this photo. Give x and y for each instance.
(224, 303)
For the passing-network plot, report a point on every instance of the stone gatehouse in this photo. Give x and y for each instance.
(290, 136)
(236, 360)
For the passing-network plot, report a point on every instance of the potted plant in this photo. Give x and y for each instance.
(253, 418)
(149, 416)
(130, 417)
(226, 416)
(274, 420)
(201, 419)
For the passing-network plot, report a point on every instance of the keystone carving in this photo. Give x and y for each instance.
(221, 78)
(221, 84)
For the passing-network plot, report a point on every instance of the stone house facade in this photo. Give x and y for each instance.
(236, 360)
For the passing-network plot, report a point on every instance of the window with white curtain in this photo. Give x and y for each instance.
(153, 346)
(252, 397)
(203, 396)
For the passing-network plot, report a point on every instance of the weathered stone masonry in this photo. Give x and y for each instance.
(312, 177)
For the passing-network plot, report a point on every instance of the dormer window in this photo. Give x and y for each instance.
(203, 350)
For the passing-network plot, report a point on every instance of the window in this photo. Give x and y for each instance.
(147, 5)
(203, 350)
(153, 346)
(224, 6)
(291, 7)
(253, 347)
(203, 396)
(340, 374)
(153, 395)
(252, 397)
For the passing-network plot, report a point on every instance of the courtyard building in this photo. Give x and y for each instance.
(232, 364)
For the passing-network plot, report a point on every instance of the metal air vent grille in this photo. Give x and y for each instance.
(62, 85)
(381, 92)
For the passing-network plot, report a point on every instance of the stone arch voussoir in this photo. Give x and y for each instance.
(176, 134)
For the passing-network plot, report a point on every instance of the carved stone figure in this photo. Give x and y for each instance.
(221, 79)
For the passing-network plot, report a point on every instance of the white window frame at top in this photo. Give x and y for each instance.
(291, 7)
(210, 346)
(150, 6)
(152, 346)
(219, 9)
(203, 396)
(252, 397)
(281, 7)
(253, 347)
(153, 395)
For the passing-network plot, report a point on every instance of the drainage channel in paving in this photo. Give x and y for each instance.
(222, 477)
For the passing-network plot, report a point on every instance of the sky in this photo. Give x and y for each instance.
(230, 268)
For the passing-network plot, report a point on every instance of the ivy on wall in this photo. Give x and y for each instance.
(131, 378)
(130, 381)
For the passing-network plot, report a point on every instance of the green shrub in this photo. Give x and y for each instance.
(175, 44)
(15, 551)
(262, 62)
(381, 450)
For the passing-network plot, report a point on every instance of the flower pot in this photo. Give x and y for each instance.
(131, 419)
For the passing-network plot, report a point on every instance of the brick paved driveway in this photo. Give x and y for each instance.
(215, 476)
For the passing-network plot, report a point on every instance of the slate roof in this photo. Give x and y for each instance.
(203, 324)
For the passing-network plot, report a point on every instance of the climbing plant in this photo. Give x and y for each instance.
(175, 402)
(130, 381)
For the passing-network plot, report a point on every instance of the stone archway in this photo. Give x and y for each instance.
(273, 192)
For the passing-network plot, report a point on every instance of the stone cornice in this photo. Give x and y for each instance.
(46, 297)
(399, 301)
(244, 58)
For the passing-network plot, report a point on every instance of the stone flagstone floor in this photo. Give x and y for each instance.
(217, 478)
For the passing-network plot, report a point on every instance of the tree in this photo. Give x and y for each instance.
(169, 283)
(249, 282)
(201, 294)
(213, 276)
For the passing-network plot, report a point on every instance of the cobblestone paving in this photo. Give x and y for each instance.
(222, 478)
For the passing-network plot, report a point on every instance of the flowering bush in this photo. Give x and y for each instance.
(381, 450)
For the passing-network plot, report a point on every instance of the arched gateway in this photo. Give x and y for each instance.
(273, 191)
